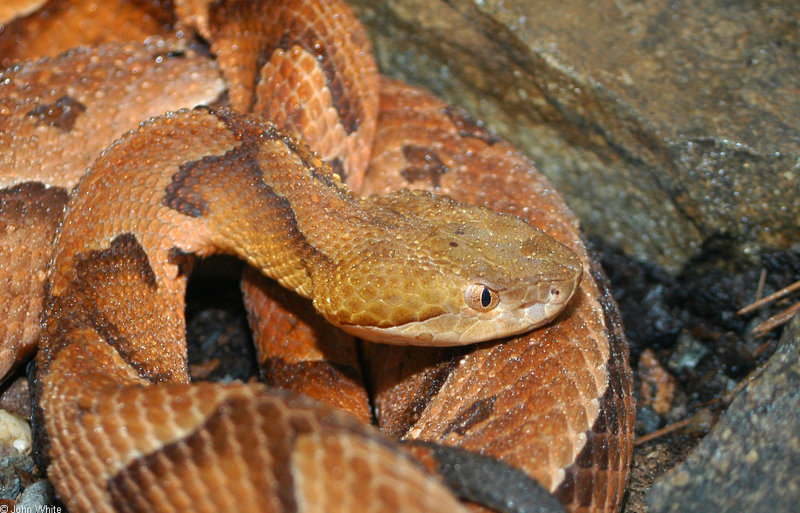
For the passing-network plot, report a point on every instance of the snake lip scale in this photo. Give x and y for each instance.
(539, 304)
(313, 169)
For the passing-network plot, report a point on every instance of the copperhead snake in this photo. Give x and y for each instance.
(555, 402)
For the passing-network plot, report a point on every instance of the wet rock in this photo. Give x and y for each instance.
(665, 124)
(749, 461)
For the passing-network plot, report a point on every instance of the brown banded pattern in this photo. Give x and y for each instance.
(52, 130)
(288, 72)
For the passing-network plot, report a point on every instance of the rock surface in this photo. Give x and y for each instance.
(665, 124)
(749, 461)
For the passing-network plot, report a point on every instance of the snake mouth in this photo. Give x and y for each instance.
(541, 304)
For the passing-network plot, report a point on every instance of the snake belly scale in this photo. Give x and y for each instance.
(121, 426)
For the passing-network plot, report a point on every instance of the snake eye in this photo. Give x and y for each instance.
(481, 298)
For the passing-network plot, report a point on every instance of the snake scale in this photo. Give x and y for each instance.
(120, 426)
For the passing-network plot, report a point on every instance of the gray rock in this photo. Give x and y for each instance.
(749, 461)
(37, 497)
(10, 483)
(664, 123)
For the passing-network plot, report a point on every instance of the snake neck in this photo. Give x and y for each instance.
(304, 220)
(209, 182)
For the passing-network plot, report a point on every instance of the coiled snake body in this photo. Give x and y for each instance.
(122, 427)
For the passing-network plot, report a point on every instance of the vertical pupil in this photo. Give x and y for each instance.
(486, 297)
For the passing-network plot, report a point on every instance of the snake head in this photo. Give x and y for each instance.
(441, 273)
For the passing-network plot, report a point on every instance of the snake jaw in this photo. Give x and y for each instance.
(538, 305)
